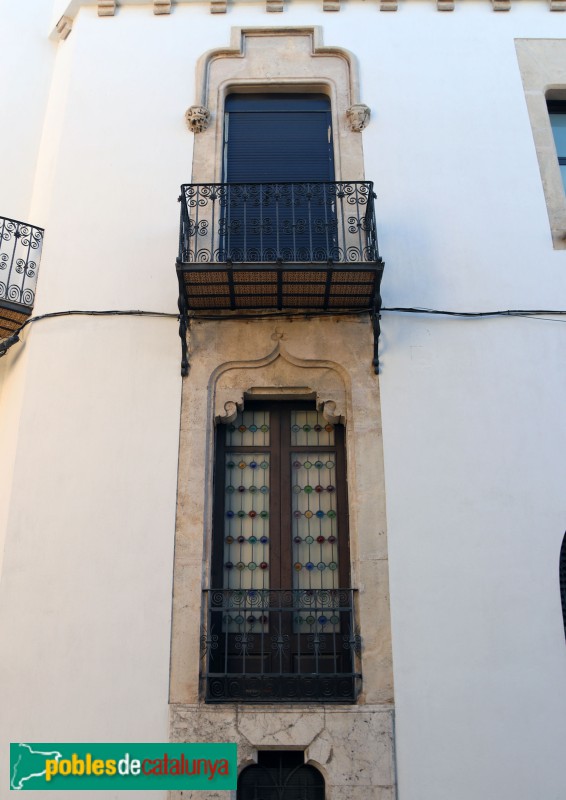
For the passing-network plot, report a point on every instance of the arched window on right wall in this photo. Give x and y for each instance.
(562, 574)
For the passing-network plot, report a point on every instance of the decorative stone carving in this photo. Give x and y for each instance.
(274, 5)
(501, 5)
(106, 8)
(218, 6)
(445, 5)
(358, 117)
(161, 6)
(558, 5)
(388, 5)
(197, 118)
(331, 5)
(64, 27)
(280, 374)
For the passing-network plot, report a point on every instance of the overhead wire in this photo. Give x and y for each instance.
(519, 312)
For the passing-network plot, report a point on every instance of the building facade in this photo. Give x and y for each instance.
(257, 486)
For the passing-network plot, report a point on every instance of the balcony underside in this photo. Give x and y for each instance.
(12, 317)
(268, 287)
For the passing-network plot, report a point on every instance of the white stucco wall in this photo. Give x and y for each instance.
(472, 410)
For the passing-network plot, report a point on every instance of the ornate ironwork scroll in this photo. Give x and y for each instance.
(281, 645)
(20, 253)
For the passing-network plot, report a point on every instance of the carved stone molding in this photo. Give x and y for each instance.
(161, 6)
(558, 5)
(218, 6)
(64, 28)
(282, 59)
(388, 5)
(106, 8)
(445, 5)
(501, 5)
(279, 375)
(331, 5)
(358, 117)
(197, 118)
(274, 5)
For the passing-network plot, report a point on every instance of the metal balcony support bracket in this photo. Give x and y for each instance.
(183, 331)
(375, 318)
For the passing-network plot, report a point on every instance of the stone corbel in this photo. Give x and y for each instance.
(358, 117)
(331, 5)
(558, 5)
(161, 6)
(388, 5)
(64, 28)
(218, 6)
(501, 5)
(330, 412)
(273, 5)
(197, 118)
(230, 410)
(106, 8)
(445, 5)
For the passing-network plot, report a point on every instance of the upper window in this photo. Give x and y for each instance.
(557, 114)
(280, 615)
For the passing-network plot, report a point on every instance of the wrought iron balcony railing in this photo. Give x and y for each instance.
(278, 246)
(20, 253)
(280, 645)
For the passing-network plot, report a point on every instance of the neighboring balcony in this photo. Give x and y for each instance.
(20, 253)
(280, 646)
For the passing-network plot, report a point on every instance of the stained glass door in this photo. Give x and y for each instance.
(280, 602)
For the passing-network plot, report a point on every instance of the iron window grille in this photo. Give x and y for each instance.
(280, 776)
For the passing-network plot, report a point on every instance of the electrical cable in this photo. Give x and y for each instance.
(527, 313)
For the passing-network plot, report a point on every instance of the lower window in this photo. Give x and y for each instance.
(280, 619)
(280, 776)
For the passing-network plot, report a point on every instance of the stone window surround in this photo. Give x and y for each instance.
(299, 58)
(283, 367)
(323, 359)
(542, 63)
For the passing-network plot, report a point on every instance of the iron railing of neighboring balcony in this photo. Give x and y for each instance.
(20, 253)
(279, 645)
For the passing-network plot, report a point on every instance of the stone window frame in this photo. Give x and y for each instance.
(275, 60)
(542, 64)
